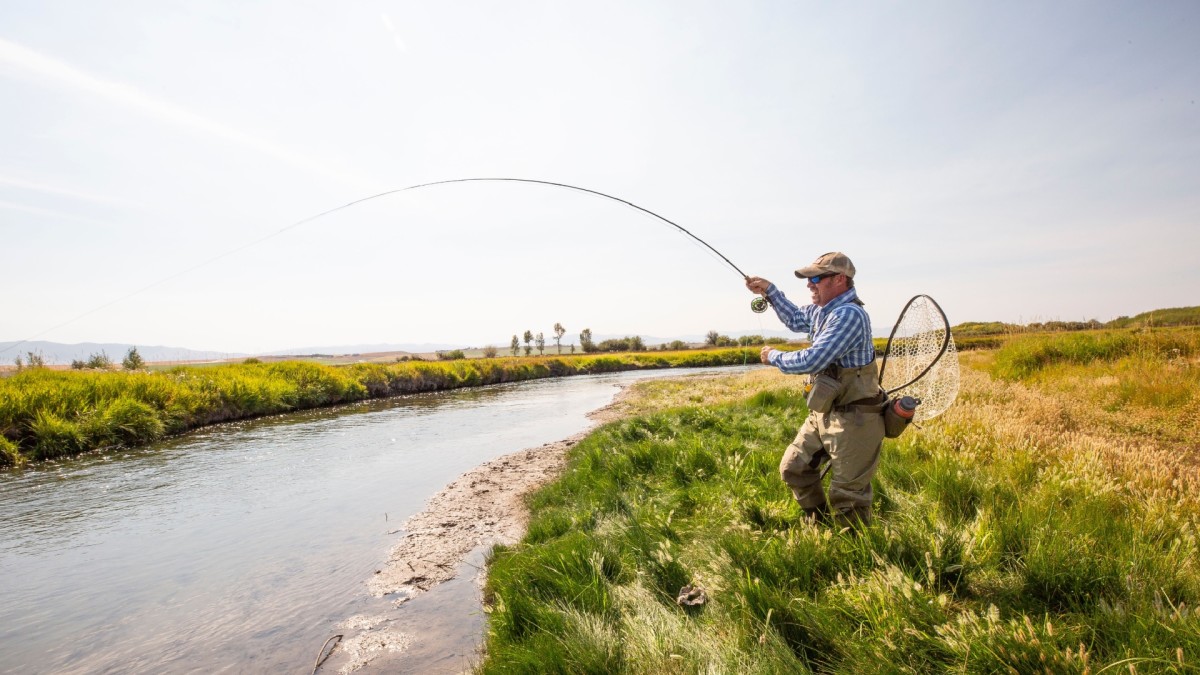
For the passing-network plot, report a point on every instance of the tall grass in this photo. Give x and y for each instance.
(1013, 535)
(45, 414)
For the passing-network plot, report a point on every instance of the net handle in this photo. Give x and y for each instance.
(887, 350)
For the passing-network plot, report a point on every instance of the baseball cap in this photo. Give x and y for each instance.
(830, 263)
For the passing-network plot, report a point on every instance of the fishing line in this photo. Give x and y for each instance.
(367, 199)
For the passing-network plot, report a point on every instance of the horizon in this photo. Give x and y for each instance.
(1019, 163)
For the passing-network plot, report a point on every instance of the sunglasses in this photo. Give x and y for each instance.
(817, 279)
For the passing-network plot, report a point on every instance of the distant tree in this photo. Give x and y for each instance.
(540, 341)
(585, 341)
(489, 352)
(559, 331)
(748, 340)
(515, 346)
(572, 347)
(451, 355)
(133, 360)
(252, 360)
(76, 364)
(711, 338)
(528, 338)
(20, 363)
(100, 361)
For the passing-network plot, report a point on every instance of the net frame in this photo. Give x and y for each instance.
(916, 349)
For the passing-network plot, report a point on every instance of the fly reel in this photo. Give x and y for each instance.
(759, 305)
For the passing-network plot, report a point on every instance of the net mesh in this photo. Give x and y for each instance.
(917, 341)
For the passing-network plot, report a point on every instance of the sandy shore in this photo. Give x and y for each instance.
(481, 508)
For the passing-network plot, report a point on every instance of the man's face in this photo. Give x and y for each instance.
(827, 289)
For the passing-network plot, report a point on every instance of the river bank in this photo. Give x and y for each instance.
(480, 509)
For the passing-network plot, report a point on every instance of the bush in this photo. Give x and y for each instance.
(133, 360)
(452, 355)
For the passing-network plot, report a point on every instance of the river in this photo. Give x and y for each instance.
(241, 547)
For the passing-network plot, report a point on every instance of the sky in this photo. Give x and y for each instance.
(1017, 161)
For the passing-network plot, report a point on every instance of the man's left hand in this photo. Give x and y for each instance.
(765, 355)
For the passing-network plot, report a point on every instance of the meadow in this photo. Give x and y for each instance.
(46, 414)
(1046, 523)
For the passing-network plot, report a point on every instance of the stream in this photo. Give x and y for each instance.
(242, 547)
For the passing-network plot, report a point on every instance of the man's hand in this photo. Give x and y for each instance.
(765, 355)
(758, 285)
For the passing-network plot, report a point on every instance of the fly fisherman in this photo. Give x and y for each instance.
(844, 425)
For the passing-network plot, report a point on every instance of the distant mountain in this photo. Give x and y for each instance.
(409, 347)
(58, 353)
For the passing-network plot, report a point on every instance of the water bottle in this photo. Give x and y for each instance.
(906, 407)
(898, 415)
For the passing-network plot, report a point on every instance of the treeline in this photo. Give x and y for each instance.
(46, 413)
(629, 343)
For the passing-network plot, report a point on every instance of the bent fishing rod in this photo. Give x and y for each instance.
(758, 305)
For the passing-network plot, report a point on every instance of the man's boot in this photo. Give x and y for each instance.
(818, 515)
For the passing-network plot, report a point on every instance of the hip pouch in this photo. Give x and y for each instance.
(822, 392)
(898, 415)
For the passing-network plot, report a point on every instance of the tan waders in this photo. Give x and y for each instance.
(850, 437)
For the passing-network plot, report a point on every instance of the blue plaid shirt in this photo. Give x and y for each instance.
(840, 333)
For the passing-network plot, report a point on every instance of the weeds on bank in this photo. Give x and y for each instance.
(45, 414)
(1013, 534)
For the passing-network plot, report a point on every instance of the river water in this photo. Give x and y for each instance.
(241, 547)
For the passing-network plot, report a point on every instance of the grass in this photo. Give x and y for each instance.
(1023, 531)
(47, 414)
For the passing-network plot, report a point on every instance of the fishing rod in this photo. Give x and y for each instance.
(758, 305)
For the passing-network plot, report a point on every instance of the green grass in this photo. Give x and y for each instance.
(1012, 535)
(47, 414)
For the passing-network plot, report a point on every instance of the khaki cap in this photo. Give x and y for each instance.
(830, 263)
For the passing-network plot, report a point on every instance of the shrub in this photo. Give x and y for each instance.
(452, 355)
(133, 360)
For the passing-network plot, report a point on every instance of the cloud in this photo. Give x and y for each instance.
(21, 184)
(47, 213)
(49, 70)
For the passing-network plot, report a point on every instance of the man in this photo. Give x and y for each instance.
(850, 434)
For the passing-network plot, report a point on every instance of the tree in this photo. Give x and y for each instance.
(133, 360)
(528, 338)
(540, 341)
(515, 346)
(489, 352)
(711, 338)
(559, 331)
(585, 341)
(100, 361)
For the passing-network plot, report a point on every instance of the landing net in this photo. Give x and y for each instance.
(920, 359)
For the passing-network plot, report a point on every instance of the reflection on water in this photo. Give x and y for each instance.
(238, 548)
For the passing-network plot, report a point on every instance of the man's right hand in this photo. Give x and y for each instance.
(758, 285)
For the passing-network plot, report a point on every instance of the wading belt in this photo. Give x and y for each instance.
(872, 404)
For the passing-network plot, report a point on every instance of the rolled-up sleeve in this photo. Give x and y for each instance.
(797, 319)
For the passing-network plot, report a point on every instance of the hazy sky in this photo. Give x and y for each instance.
(1018, 161)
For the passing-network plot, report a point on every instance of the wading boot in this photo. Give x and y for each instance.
(818, 515)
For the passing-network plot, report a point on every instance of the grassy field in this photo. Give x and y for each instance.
(1046, 523)
(46, 413)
